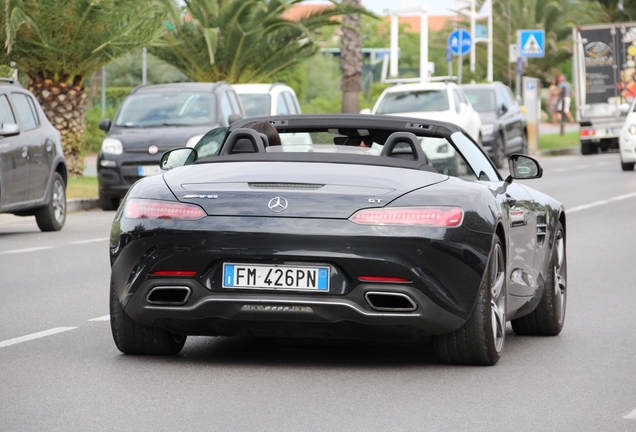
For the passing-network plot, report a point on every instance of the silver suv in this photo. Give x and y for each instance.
(33, 170)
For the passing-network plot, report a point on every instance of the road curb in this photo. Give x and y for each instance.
(575, 150)
(82, 204)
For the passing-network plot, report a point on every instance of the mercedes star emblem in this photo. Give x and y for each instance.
(277, 204)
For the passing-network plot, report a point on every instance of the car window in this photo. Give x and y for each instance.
(413, 101)
(510, 97)
(226, 107)
(255, 105)
(290, 103)
(6, 114)
(281, 106)
(170, 108)
(211, 142)
(483, 100)
(33, 109)
(479, 163)
(27, 117)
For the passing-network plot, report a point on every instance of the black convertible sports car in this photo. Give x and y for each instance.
(357, 226)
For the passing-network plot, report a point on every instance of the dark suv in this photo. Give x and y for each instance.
(33, 171)
(152, 120)
(503, 124)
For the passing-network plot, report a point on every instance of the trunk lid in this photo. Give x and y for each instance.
(283, 189)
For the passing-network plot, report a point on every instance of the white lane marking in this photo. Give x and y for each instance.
(631, 415)
(601, 202)
(101, 318)
(95, 240)
(35, 336)
(33, 249)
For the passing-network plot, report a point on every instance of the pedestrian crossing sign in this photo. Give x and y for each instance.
(531, 43)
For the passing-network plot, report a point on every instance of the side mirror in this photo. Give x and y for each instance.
(503, 109)
(178, 157)
(523, 167)
(9, 129)
(234, 117)
(365, 111)
(104, 124)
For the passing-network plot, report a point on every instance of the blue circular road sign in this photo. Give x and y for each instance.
(459, 41)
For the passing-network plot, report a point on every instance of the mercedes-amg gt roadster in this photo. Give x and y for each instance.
(357, 226)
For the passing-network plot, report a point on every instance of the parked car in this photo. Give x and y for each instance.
(444, 101)
(267, 99)
(335, 239)
(627, 140)
(33, 171)
(153, 119)
(503, 124)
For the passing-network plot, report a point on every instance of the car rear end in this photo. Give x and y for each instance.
(299, 250)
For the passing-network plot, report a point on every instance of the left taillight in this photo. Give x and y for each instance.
(448, 217)
(151, 209)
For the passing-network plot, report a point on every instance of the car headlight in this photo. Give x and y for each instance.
(112, 146)
(487, 129)
(194, 140)
(632, 129)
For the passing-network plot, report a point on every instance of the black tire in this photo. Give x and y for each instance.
(524, 143)
(107, 202)
(481, 340)
(134, 338)
(499, 153)
(52, 216)
(627, 166)
(588, 148)
(549, 316)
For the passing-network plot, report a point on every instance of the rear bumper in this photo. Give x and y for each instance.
(230, 314)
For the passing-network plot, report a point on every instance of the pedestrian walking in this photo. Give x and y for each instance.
(563, 106)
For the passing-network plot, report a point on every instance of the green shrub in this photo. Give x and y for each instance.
(93, 135)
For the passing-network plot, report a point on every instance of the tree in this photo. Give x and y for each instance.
(351, 60)
(241, 41)
(556, 17)
(59, 43)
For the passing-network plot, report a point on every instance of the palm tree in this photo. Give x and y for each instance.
(241, 41)
(555, 17)
(59, 43)
(351, 60)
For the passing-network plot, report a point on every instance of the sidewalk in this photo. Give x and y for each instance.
(549, 128)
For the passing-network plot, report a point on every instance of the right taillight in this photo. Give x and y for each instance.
(411, 216)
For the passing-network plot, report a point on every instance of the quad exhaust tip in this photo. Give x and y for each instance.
(390, 301)
(169, 295)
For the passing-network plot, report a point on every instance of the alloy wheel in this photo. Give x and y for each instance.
(498, 297)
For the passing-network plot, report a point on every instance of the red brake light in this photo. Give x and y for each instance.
(411, 216)
(174, 273)
(382, 279)
(150, 209)
(587, 132)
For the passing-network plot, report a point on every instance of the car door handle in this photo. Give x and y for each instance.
(25, 151)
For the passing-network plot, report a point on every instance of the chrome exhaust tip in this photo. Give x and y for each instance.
(169, 295)
(390, 301)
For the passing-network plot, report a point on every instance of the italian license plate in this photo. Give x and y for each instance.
(148, 170)
(275, 277)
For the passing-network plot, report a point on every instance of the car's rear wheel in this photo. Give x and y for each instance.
(548, 318)
(134, 338)
(107, 202)
(499, 154)
(481, 340)
(627, 166)
(52, 216)
(588, 148)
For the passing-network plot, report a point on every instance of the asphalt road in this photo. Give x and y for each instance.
(72, 378)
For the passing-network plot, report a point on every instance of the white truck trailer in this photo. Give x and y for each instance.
(604, 75)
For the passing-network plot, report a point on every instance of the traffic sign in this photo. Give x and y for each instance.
(531, 43)
(460, 42)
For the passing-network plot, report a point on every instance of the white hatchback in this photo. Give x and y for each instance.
(627, 140)
(444, 101)
(267, 99)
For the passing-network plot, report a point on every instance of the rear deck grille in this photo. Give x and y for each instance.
(285, 185)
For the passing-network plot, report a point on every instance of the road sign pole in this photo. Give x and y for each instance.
(459, 60)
